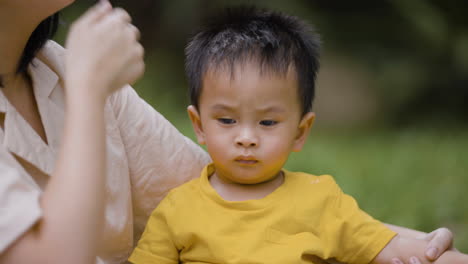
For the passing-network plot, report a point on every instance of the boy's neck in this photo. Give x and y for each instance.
(234, 192)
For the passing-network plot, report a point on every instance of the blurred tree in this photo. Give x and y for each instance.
(416, 52)
(146, 15)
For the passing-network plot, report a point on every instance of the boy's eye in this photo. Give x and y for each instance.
(268, 122)
(226, 121)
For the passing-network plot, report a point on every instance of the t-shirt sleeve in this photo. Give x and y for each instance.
(159, 156)
(156, 244)
(353, 236)
(19, 201)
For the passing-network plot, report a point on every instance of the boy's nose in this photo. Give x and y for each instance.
(247, 139)
(246, 143)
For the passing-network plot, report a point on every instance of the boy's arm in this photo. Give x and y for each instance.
(404, 248)
(157, 243)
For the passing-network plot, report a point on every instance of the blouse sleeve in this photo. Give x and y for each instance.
(159, 156)
(353, 236)
(19, 200)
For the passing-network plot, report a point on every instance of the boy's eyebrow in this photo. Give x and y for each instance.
(269, 109)
(222, 107)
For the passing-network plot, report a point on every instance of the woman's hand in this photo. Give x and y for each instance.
(103, 53)
(440, 240)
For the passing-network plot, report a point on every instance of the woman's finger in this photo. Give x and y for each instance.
(122, 15)
(440, 240)
(414, 260)
(97, 11)
(396, 261)
(134, 31)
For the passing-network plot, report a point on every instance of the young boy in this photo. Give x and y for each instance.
(251, 76)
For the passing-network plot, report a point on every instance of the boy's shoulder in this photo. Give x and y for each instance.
(184, 196)
(320, 188)
(184, 190)
(305, 179)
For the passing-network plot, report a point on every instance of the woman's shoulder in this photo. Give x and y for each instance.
(53, 55)
(52, 49)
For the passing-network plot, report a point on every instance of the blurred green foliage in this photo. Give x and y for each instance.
(408, 166)
(414, 53)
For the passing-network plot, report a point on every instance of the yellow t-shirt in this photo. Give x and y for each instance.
(306, 216)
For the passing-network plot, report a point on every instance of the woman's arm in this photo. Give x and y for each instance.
(103, 55)
(439, 240)
(410, 248)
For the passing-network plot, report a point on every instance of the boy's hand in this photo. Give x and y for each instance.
(103, 53)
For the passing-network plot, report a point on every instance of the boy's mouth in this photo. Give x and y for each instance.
(246, 160)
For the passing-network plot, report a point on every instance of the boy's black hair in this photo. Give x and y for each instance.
(43, 32)
(274, 40)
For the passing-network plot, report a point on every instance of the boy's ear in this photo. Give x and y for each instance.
(303, 130)
(196, 123)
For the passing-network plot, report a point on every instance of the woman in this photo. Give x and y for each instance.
(70, 195)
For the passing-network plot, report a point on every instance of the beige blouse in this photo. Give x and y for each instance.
(147, 157)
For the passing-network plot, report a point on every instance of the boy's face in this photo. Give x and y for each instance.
(250, 122)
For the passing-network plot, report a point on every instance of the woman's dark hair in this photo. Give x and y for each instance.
(277, 41)
(44, 31)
